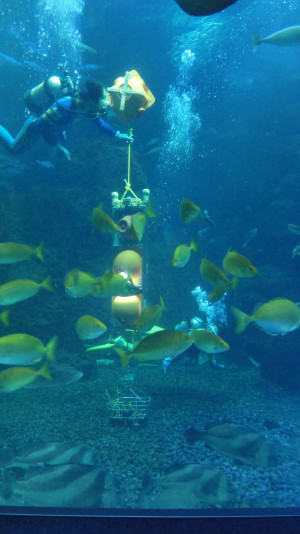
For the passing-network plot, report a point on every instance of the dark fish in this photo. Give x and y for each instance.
(61, 485)
(190, 486)
(237, 441)
(49, 453)
(203, 7)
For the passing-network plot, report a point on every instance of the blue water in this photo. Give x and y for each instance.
(226, 127)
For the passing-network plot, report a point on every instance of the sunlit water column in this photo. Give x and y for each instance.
(182, 121)
(59, 37)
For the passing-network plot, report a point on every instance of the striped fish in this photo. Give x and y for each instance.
(52, 453)
(65, 485)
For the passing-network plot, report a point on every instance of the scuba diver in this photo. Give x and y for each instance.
(41, 97)
(90, 102)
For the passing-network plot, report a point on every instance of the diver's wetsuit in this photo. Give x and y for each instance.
(51, 124)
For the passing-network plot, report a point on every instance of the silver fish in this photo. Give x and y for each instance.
(286, 37)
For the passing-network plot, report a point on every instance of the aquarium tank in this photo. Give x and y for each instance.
(149, 257)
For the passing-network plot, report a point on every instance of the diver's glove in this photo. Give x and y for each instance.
(124, 137)
(65, 152)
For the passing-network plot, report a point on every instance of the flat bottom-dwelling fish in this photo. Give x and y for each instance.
(190, 486)
(48, 453)
(63, 485)
(237, 441)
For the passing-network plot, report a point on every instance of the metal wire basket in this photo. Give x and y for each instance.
(128, 408)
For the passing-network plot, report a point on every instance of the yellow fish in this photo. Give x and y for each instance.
(138, 221)
(157, 347)
(22, 349)
(209, 342)
(4, 317)
(150, 316)
(278, 316)
(20, 377)
(14, 252)
(218, 292)
(18, 290)
(238, 265)
(213, 274)
(189, 211)
(114, 284)
(182, 253)
(79, 284)
(88, 327)
(102, 221)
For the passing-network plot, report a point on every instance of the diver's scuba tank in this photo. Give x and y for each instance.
(41, 97)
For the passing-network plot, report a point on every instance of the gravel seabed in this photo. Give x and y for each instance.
(187, 395)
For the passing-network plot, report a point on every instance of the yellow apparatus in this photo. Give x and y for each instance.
(127, 310)
(130, 96)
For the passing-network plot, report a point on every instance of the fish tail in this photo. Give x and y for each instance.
(39, 252)
(149, 211)
(194, 245)
(256, 40)
(162, 304)
(242, 320)
(125, 357)
(50, 348)
(44, 371)
(46, 284)
(235, 283)
(4, 317)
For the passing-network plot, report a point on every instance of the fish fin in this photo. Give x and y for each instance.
(39, 252)
(46, 284)
(4, 317)
(235, 283)
(99, 207)
(242, 320)
(194, 245)
(125, 357)
(256, 42)
(149, 211)
(44, 371)
(50, 348)
(162, 304)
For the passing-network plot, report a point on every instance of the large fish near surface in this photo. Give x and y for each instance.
(190, 486)
(63, 485)
(48, 453)
(286, 37)
(203, 7)
(237, 441)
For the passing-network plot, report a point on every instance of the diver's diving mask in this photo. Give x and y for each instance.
(103, 105)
